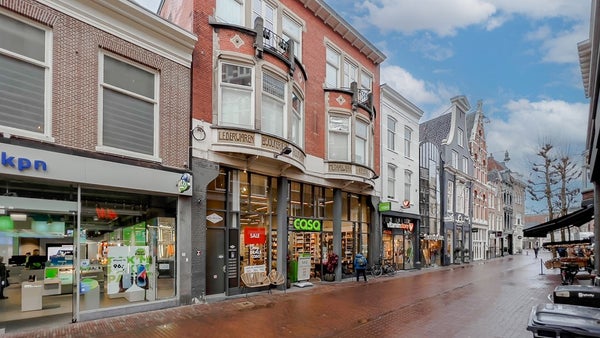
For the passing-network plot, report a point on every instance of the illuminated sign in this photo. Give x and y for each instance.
(309, 225)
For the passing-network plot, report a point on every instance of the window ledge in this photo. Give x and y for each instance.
(125, 153)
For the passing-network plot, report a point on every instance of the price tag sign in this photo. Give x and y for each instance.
(255, 252)
(119, 264)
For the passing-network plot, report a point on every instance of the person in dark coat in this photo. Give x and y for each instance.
(360, 266)
(3, 278)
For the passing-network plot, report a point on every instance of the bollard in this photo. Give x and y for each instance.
(541, 266)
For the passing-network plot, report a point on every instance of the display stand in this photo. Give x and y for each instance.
(31, 295)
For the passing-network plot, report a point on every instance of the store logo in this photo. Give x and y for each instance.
(22, 163)
(303, 224)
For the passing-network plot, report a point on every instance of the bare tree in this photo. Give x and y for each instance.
(545, 178)
(568, 172)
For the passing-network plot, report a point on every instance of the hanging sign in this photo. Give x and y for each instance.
(254, 236)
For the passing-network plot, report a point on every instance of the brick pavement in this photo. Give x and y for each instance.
(381, 317)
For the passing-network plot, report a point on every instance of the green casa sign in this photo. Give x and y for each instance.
(304, 224)
(385, 206)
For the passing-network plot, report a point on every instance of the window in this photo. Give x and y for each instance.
(332, 68)
(366, 81)
(339, 138)
(391, 133)
(455, 159)
(350, 74)
(361, 142)
(292, 30)
(407, 141)
(465, 164)
(407, 184)
(24, 73)
(266, 11)
(236, 96)
(129, 114)
(230, 11)
(391, 178)
(297, 125)
(273, 105)
(450, 197)
(461, 136)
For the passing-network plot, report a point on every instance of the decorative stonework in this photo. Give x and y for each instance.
(340, 99)
(237, 41)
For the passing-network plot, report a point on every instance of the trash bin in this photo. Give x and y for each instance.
(564, 320)
(584, 295)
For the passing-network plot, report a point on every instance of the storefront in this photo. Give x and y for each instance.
(431, 247)
(261, 234)
(400, 241)
(86, 238)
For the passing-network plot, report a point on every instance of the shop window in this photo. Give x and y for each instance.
(129, 113)
(25, 72)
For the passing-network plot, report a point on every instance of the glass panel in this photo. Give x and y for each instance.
(308, 201)
(128, 123)
(236, 107)
(21, 38)
(345, 206)
(229, 11)
(295, 199)
(22, 87)
(128, 77)
(328, 203)
(237, 75)
(272, 116)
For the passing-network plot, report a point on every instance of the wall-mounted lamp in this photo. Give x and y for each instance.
(285, 151)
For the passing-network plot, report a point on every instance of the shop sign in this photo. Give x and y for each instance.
(405, 226)
(214, 218)
(385, 206)
(22, 163)
(254, 236)
(406, 204)
(433, 237)
(309, 225)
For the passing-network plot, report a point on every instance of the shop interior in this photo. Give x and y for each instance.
(37, 241)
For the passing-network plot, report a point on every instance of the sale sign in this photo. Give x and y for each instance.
(254, 236)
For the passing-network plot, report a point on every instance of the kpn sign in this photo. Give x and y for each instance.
(307, 225)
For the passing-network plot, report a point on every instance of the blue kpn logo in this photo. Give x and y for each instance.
(22, 163)
(185, 182)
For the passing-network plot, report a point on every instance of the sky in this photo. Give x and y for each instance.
(519, 58)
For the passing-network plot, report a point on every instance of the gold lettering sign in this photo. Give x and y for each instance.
(272, 143)
(362, 171)
(340, 168)
(235, 137)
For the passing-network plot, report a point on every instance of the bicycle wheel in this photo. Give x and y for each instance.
(376, 271)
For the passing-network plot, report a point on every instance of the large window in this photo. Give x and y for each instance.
(361, 142)
(332, 68)
(391, 133)
(236, 96)
(273, 105)
(292, 31)
(129, 107)
(230, 11)
(266, 11)
(339, 138)
(24, 75)
(391, 178)
(297, 124)
(407, 141)
(350, 73)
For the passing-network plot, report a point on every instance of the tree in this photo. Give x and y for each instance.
(568, 172)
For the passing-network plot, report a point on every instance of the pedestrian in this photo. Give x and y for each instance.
(536, 249)
(360, 266)
(3, 278)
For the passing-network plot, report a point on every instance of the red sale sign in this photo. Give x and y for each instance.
(254, 236)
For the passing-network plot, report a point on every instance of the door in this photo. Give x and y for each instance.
(215, 262)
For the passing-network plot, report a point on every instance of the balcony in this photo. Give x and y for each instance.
(267, 41)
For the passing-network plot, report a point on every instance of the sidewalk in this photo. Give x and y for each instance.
(215, 306)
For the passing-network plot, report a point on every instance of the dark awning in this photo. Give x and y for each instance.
(576, 218)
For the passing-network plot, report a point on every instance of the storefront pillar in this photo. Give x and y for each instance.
(375, 245)
(282, 225)
(337, 229)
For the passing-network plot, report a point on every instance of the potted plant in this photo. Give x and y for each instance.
(330, 265)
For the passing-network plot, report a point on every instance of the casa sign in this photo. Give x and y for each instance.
(308, 225)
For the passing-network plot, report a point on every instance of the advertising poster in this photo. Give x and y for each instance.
(304, 267)
(130, 272)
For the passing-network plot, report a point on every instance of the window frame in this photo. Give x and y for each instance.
(407, 184)
(223, 10)
(460, 138)
(391, 133)
(283, 114)
(366, 140)
(329, 63)
(391, 179)
(299, 114)
(250, 89)
(286, 34)
(407, 141)
(101, 147)
(348, 133)
(46, 65)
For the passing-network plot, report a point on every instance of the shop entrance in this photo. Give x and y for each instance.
(39, 252)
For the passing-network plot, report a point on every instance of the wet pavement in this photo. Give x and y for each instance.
(482, 299)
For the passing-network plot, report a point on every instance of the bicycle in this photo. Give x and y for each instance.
(379, 269)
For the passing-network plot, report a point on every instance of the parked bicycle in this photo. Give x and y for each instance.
(380, 268)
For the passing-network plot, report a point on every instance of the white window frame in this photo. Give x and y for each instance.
(407, 184)
(336, 131)
(455, 159)
(250, 90)
(226, 12)
(46, 65)
(365, 138)
(269, 22)
(391, 179)
(333, 59)
(450, 197)
(274, 117)
(461, 136)
(155, 101)
(465, 164)
(391, 133)
(366, 80)
(295, 34)
(350, 73)
(407, 141)
(297, 115)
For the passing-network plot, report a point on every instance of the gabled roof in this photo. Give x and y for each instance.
(436, 130)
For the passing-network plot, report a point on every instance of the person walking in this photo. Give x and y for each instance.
(3, 278)
(536, 249)
(360, 266)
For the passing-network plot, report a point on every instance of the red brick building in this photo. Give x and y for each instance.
(284, 117)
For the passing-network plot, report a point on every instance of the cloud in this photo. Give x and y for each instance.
(426, 47)
(415, 90)
(442, 17)
(533, 123)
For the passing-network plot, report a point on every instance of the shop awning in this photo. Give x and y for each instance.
(576, 218)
